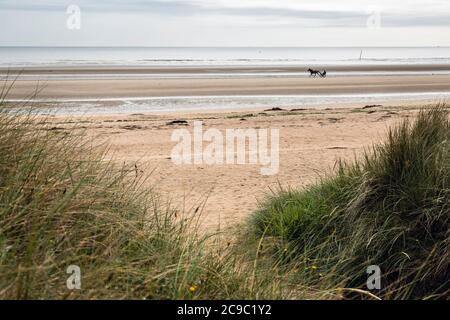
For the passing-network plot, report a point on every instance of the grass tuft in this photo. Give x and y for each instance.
(62, 203)
(390, 209)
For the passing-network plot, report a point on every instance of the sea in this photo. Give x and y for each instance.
(218, 56)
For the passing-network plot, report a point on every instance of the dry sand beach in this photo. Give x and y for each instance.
(311, 141)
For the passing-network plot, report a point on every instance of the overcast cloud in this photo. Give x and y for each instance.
(227, 23)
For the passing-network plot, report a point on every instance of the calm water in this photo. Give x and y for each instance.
(32, 56)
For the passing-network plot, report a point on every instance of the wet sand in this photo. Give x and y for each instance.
(117, 69)
(101, 89)
(277, 83)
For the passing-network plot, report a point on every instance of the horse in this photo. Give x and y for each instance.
(314, 73)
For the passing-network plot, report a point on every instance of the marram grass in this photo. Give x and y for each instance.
(390, 209)
(62, 203)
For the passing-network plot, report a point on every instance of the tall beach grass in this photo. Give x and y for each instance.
(390, 209)
(63, 203)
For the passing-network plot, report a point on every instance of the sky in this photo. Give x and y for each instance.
(225, 23)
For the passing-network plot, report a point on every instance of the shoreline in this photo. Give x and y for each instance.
(117, 108)
(171, 89)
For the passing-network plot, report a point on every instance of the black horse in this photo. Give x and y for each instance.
(314, 73)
